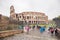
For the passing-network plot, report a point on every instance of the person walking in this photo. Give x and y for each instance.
(56, 32)
(42, 29)
(33, 27)
(27, 29)
(52, 31)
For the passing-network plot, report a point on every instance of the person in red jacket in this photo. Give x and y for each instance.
(52, 30)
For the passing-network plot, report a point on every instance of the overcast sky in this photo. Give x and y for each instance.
(50, 7)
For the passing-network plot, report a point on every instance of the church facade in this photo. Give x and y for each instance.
(29, 17)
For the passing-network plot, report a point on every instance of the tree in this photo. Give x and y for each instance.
(57, 21)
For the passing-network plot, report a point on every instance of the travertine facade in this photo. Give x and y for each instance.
(30, 17)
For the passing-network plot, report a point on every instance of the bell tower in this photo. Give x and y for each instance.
(12, 12)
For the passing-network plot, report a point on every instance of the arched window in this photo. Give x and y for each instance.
(27, 17)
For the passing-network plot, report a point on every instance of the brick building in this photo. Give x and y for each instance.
(29, 17)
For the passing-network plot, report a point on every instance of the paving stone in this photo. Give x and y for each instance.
(33, 35)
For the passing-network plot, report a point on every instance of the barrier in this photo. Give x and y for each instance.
(9, 33)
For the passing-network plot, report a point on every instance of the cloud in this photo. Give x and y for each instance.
(49, 7)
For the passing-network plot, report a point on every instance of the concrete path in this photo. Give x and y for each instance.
(33, 35)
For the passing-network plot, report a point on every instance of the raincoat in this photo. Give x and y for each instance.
(42, 29)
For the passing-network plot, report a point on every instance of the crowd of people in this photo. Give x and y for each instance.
(28, 28)
(41, 29)
(53, 30)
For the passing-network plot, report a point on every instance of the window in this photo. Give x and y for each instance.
(20, 16)
(32, 22)
(29, 22)
(27, 17)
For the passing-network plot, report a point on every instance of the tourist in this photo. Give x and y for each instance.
(42, 29)
(33, 27)
(27, 29)
(52, 30)
(56, 32)
(38, 27)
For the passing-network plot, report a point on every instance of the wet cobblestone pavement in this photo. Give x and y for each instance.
(33, 35)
